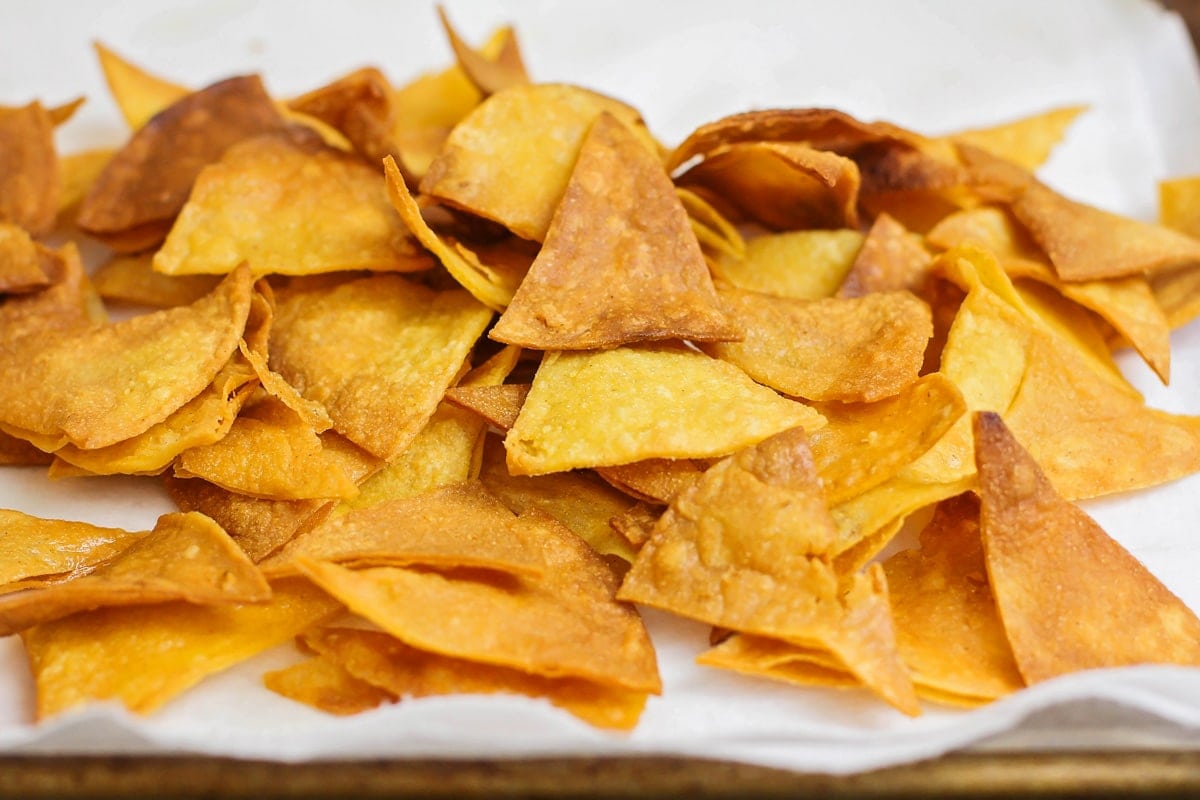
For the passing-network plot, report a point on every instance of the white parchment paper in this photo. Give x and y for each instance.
(935, 66)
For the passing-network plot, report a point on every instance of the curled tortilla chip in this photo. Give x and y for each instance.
(28, 168)
(490, 75)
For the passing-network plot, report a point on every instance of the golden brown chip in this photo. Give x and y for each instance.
(461, 525)
(186, 557)
(290, 206)
(576, 499)
(629, 404)
(947, 627)
(107, 383)
(143, 656)
(865, 444)
(1070, 597)
(783, 185)
(377, 353)
(510, 159)
(499, 405)
(489, 75)
(324, 685)
(856, 349)
(620, 263)
(359, 105)
(31, 546)
(890, 258)
(20, 261)
(1086, 243)
(137, 196)
(131, 279)
(68, 303)
(805, 265)
(28, 168)
(656, 480)
(138, 94)
(1027, 142)
(565, 623)
(379, 659)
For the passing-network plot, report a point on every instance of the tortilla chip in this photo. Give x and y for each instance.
(134, 201)
(565, 623)
(138, 94)
(1070, 597)
(143, 656)
(76, 174)
(131, 279)
(1086, 243)
(620, 263)
(20, 261)
(655, 480)
(67, 304)
(460, 525)
(509, 160)
(403, 671)
(847, 349)
(890, 259)
(357, 105)
(1026, 142)
(498, 405)
(782, 185)
(31, 546)
(712, 229)
(665, 402)
(805, 265)
(490, 75)
(377, 353)
(947, 627)
(326, 686)
(138, 371)
(28, 168)
(288, 206)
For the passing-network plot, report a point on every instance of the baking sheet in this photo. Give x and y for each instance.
(933, 66)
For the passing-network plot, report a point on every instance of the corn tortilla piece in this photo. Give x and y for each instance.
(67, 304)
(31, 546)
(359, 107)
(1069, 596)
(138, 94)
(655, 480)
(865, 444)
(628, 404)
(712, 229)
(17, 452)
(489, 75)
(806, 265)
(29, 187)
(620, 263)
(499, 405)
(143, 656)
(510, 158)
(76, 174)
(323, 684)
(856, 349)
(132, 279)
(136, 198)
(186, 557)
(402, 671)
(1028, 141)
(20, 261)
(947, 628)
(891, 258)
(1086, 243)
(459, 525)
(782, 185)
(576, 499)
(565, 623)
(107, 383)
(377, 353)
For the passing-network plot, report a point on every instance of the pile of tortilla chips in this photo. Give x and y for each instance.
(448, 377)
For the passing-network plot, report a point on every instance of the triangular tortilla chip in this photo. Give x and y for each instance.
(138, 94)
(132, 279)
(1027, 141)
(1070, 597)
(667, 402)
(323, 684)
(32, 546)
(890, 258)
(947, 627)
(20, 261)
(489, 75)
(620, 263)
(28, 168)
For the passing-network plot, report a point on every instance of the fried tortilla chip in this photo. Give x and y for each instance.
(138, 94)
(358, 105)
(890, 258)
(633, 403)
(712, 229)
(137, 196)
(186, 557)
(805, 265)
(132, 279)
(20, 261)
(947, 627)
(33, 547)
(656, 480)
(402, 671)
(510, 159)
(67, 304)
(620, 263)
(28, 168)
(325, 685)
(143, 656)
(490, 75)
(1070, 597)
(107, 383)
(460, 525)
(290, 206)
(1027, 142)
(565, 623)
(76, 174)
(499, 405)
(848, 349)
(377, 353)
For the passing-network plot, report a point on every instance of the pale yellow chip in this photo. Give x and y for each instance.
(629, 404)
(284, 204)
(143, 656)
(132, 279)
(138, 94)
(804, 265)
(1028, 141)
(377, 353)
(32, 547)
